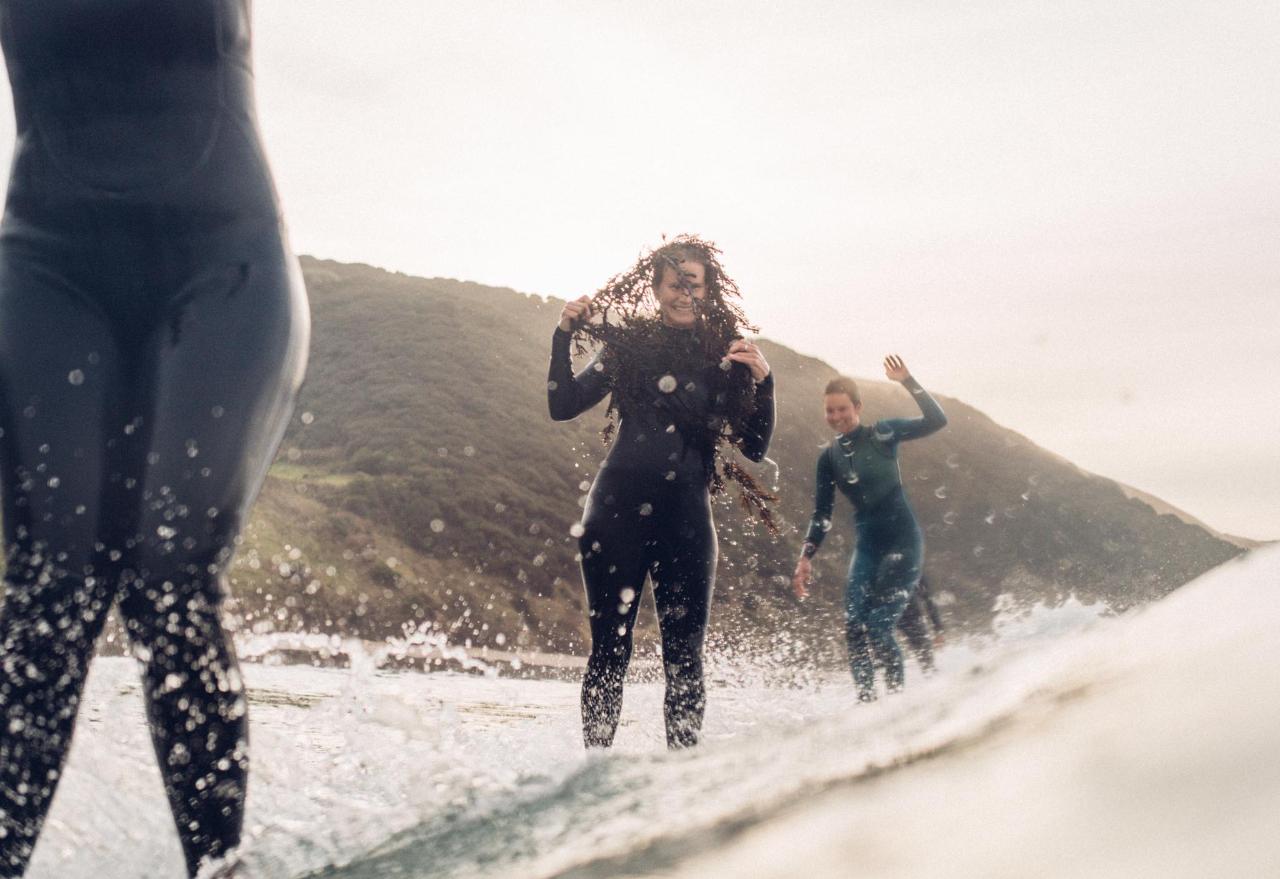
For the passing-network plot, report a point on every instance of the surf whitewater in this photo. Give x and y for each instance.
(1082, 743)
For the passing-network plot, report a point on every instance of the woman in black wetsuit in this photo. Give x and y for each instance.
(153, 334)
(681, 381)
(862, 462)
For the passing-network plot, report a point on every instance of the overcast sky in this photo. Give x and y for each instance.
(1064, 214)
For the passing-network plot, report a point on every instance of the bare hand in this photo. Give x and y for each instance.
(896, 369)
(742, 351)
(801, 579)
(575, 313)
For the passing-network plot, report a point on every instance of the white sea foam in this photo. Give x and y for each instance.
(1071, 745)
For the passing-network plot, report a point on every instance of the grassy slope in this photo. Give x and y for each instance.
(426, 408)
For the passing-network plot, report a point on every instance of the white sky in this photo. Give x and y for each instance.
(1064, 214)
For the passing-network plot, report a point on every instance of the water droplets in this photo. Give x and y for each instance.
(76, 377)
(307, 418)
(667, 384)
(646, 509)
(576, 530)
(940, 492)
(437, 525)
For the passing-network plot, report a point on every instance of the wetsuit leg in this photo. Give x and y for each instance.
(615, 560)
(913, 627)
(683, 575)
(861, 574)
(215, 415)
(52, 462)
(195, 707)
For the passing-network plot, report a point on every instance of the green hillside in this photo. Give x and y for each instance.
(422, 483)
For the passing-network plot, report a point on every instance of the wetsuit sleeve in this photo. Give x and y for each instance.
(824, 501)
(758, 430)
(903, 429)
(569, 395)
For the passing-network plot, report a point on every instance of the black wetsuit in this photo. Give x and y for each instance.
(153, 334)
(649, 512)
(915, 622)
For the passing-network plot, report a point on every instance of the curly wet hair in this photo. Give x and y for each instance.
(636, 351)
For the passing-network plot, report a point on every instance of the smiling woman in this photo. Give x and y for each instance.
(683, 383)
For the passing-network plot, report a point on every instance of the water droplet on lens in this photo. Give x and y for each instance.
(76, 377)
(667, 384)
(437, 525)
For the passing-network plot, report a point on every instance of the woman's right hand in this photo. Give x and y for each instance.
(575, 312)
(803, 576)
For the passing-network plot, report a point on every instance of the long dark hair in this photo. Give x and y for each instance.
(637, 348)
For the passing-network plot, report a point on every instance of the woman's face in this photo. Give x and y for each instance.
(843, 415)
(677, 291)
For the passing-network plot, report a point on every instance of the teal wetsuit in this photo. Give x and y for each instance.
(889, 557)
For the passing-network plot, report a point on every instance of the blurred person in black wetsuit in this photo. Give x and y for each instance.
(153, 335)
(683, 383)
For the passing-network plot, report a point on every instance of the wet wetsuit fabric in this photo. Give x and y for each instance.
(153, 334)
(913, 626)
(649, 513)
(886, 565)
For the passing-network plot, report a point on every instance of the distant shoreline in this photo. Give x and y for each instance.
(303, 650)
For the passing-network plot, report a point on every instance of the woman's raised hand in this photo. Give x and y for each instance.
(742, 351)
(575, 312)
(896, 369)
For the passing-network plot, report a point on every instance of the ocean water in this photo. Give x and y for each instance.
(1074, 744)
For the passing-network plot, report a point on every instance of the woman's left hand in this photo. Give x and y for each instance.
(742, 351)
(896, 369)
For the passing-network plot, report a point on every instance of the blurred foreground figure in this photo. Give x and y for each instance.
(862, 462)
(153, 334)
(685, 388)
